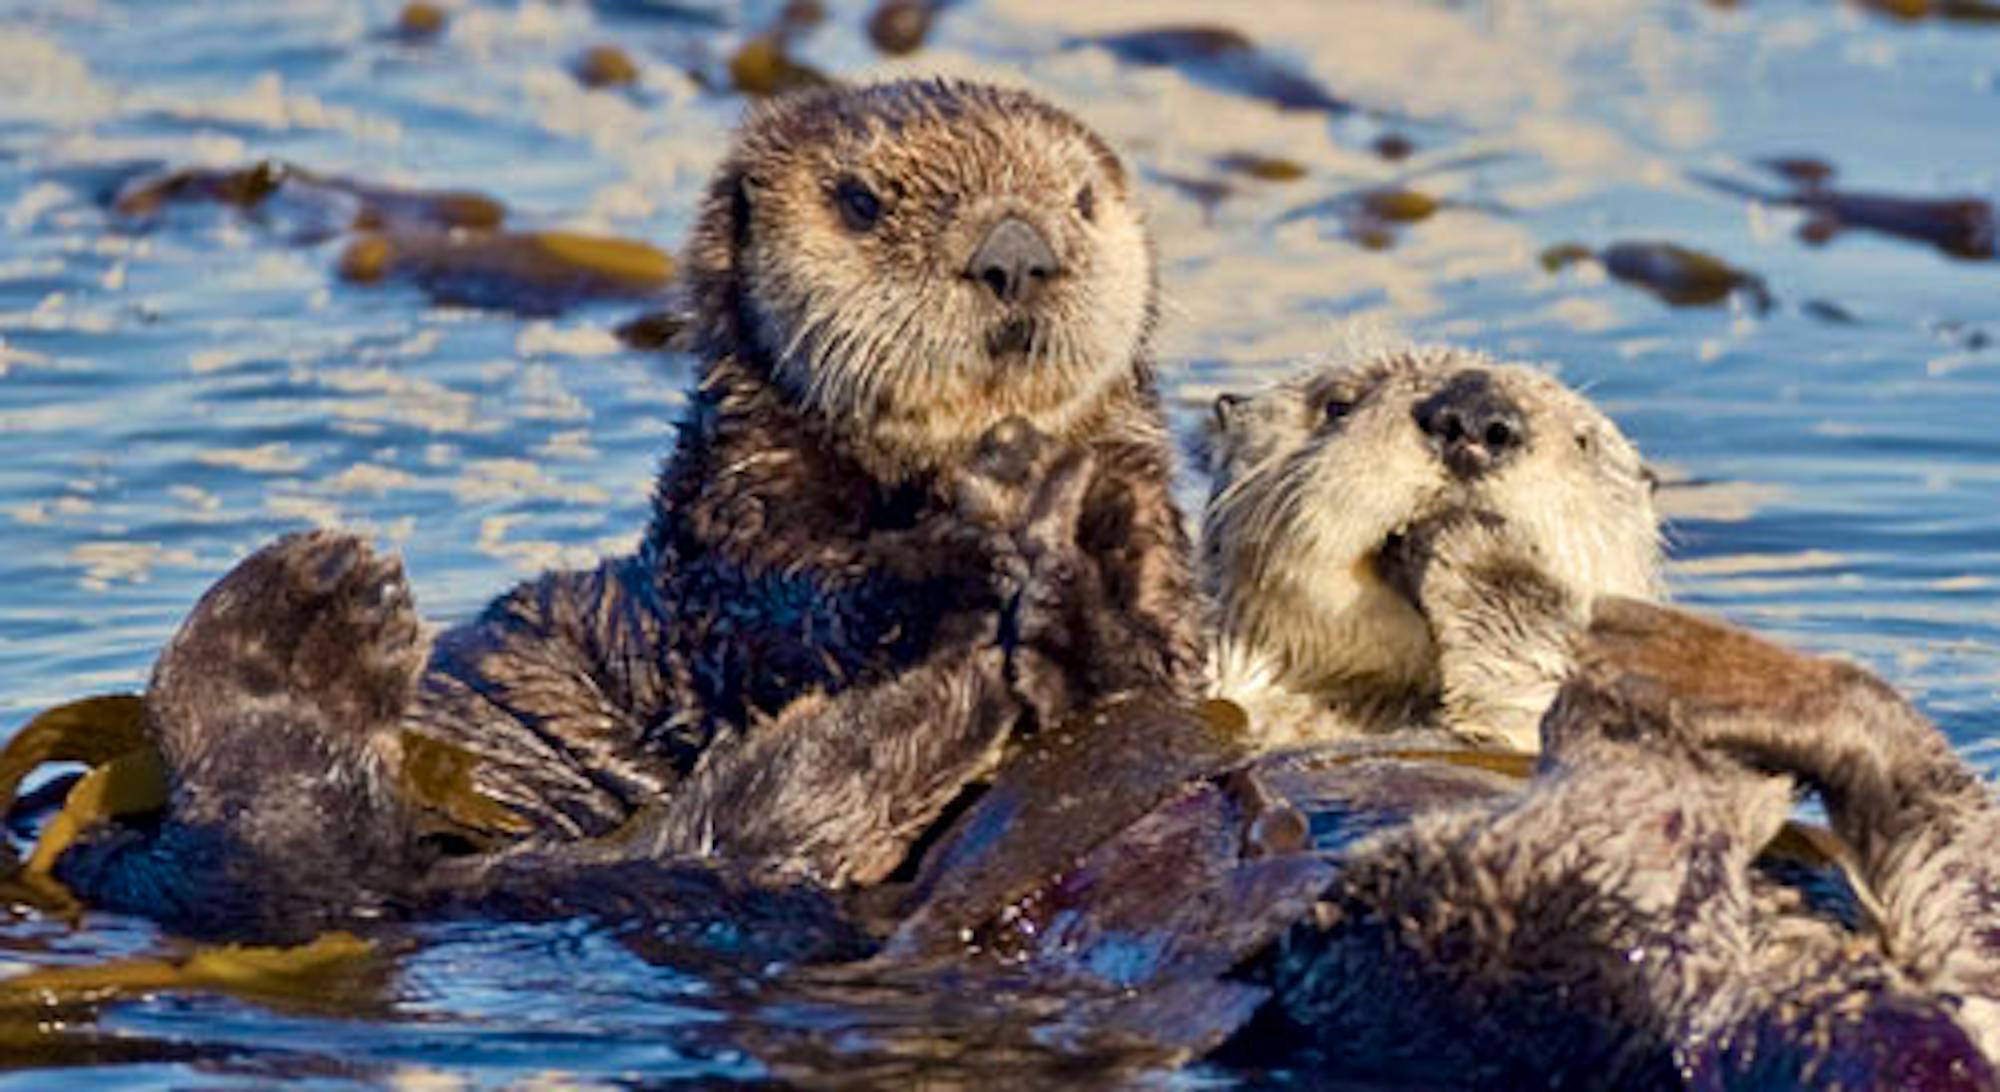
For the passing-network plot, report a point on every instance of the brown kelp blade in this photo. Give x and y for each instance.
(92, 731)
(1224, 59)
(134, 783)
(439, 776)
(1069, 789)
(533, 273)
(302, 973)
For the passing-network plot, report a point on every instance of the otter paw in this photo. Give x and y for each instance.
(1480, 586)
(1072, 636)
(1060, 584)
(315, 617)
(1455, 560)
(997, 484)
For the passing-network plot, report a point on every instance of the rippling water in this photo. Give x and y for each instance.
(173, 394)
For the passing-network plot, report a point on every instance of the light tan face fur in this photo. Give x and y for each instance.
(879, 328)
(1304, 500)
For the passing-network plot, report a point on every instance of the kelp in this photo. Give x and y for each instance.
(1958, 11)
(1961, 226)
(899, 27)
(333, 965)
(1263, 168)
(530, 273)
(1373, 216)
(324, 205)
(763, 66)
(1223, 59)
(132, 784)
(420, 22)
(604, 66)
(668, 329)
(92, 731)
(439, 776)
(1678, 275)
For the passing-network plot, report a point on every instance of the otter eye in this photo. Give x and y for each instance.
(1335, 409)
(1086, 203)
(858, 204)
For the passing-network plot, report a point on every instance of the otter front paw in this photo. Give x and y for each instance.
(1000, 481)
(1474, 579)
(1502, 625)
(1066, 641)
(1056, 646)
(991, 494)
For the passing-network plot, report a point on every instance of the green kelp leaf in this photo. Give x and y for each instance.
(438, 775)
(92, 731)
(300, 972)
(134, 783)
(527, 273)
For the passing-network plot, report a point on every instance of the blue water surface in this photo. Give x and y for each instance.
(175, 393)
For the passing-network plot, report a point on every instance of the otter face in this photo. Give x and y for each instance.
(917, 261)
(1317, 480)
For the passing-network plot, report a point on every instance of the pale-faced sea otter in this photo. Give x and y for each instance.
(1372, 860)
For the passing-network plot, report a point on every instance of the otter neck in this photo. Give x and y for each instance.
(1366, 704)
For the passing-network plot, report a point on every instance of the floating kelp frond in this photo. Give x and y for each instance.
(92, 731)
(534, 273)
(318, 205)
(763, 66)
(1223, 59)
(132, 784)
(438, 775)
(899, 27)
(1678, 275)
(1962, 226)
(605, 66)
(300, 973)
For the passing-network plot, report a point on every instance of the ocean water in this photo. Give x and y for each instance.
(178, 390)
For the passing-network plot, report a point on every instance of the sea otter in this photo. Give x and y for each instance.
(1606, 925)
(1334, 489)
(920, 500)
(1410, 913)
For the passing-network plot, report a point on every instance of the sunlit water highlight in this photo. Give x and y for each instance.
(172, 397)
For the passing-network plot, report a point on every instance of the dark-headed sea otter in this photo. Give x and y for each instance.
(920, 500)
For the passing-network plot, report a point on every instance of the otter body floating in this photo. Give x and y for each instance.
(920, 503)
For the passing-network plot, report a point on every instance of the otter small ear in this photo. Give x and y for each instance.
(1651, 477)
(1226, 407)
(739, 209)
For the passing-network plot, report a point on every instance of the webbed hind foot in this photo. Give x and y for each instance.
(272, 709)
(1923, 824)
(315, 619)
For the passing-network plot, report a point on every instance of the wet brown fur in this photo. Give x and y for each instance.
(842, 605)
(1606, 924)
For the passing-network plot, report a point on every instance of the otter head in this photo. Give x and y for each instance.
(913, 262)
(1320, 482)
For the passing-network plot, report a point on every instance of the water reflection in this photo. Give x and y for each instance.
(175, 390)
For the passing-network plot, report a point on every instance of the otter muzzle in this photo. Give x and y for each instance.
(1013, 261)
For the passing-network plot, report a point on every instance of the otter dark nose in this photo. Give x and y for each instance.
(1472, 425)
(1014, 261)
